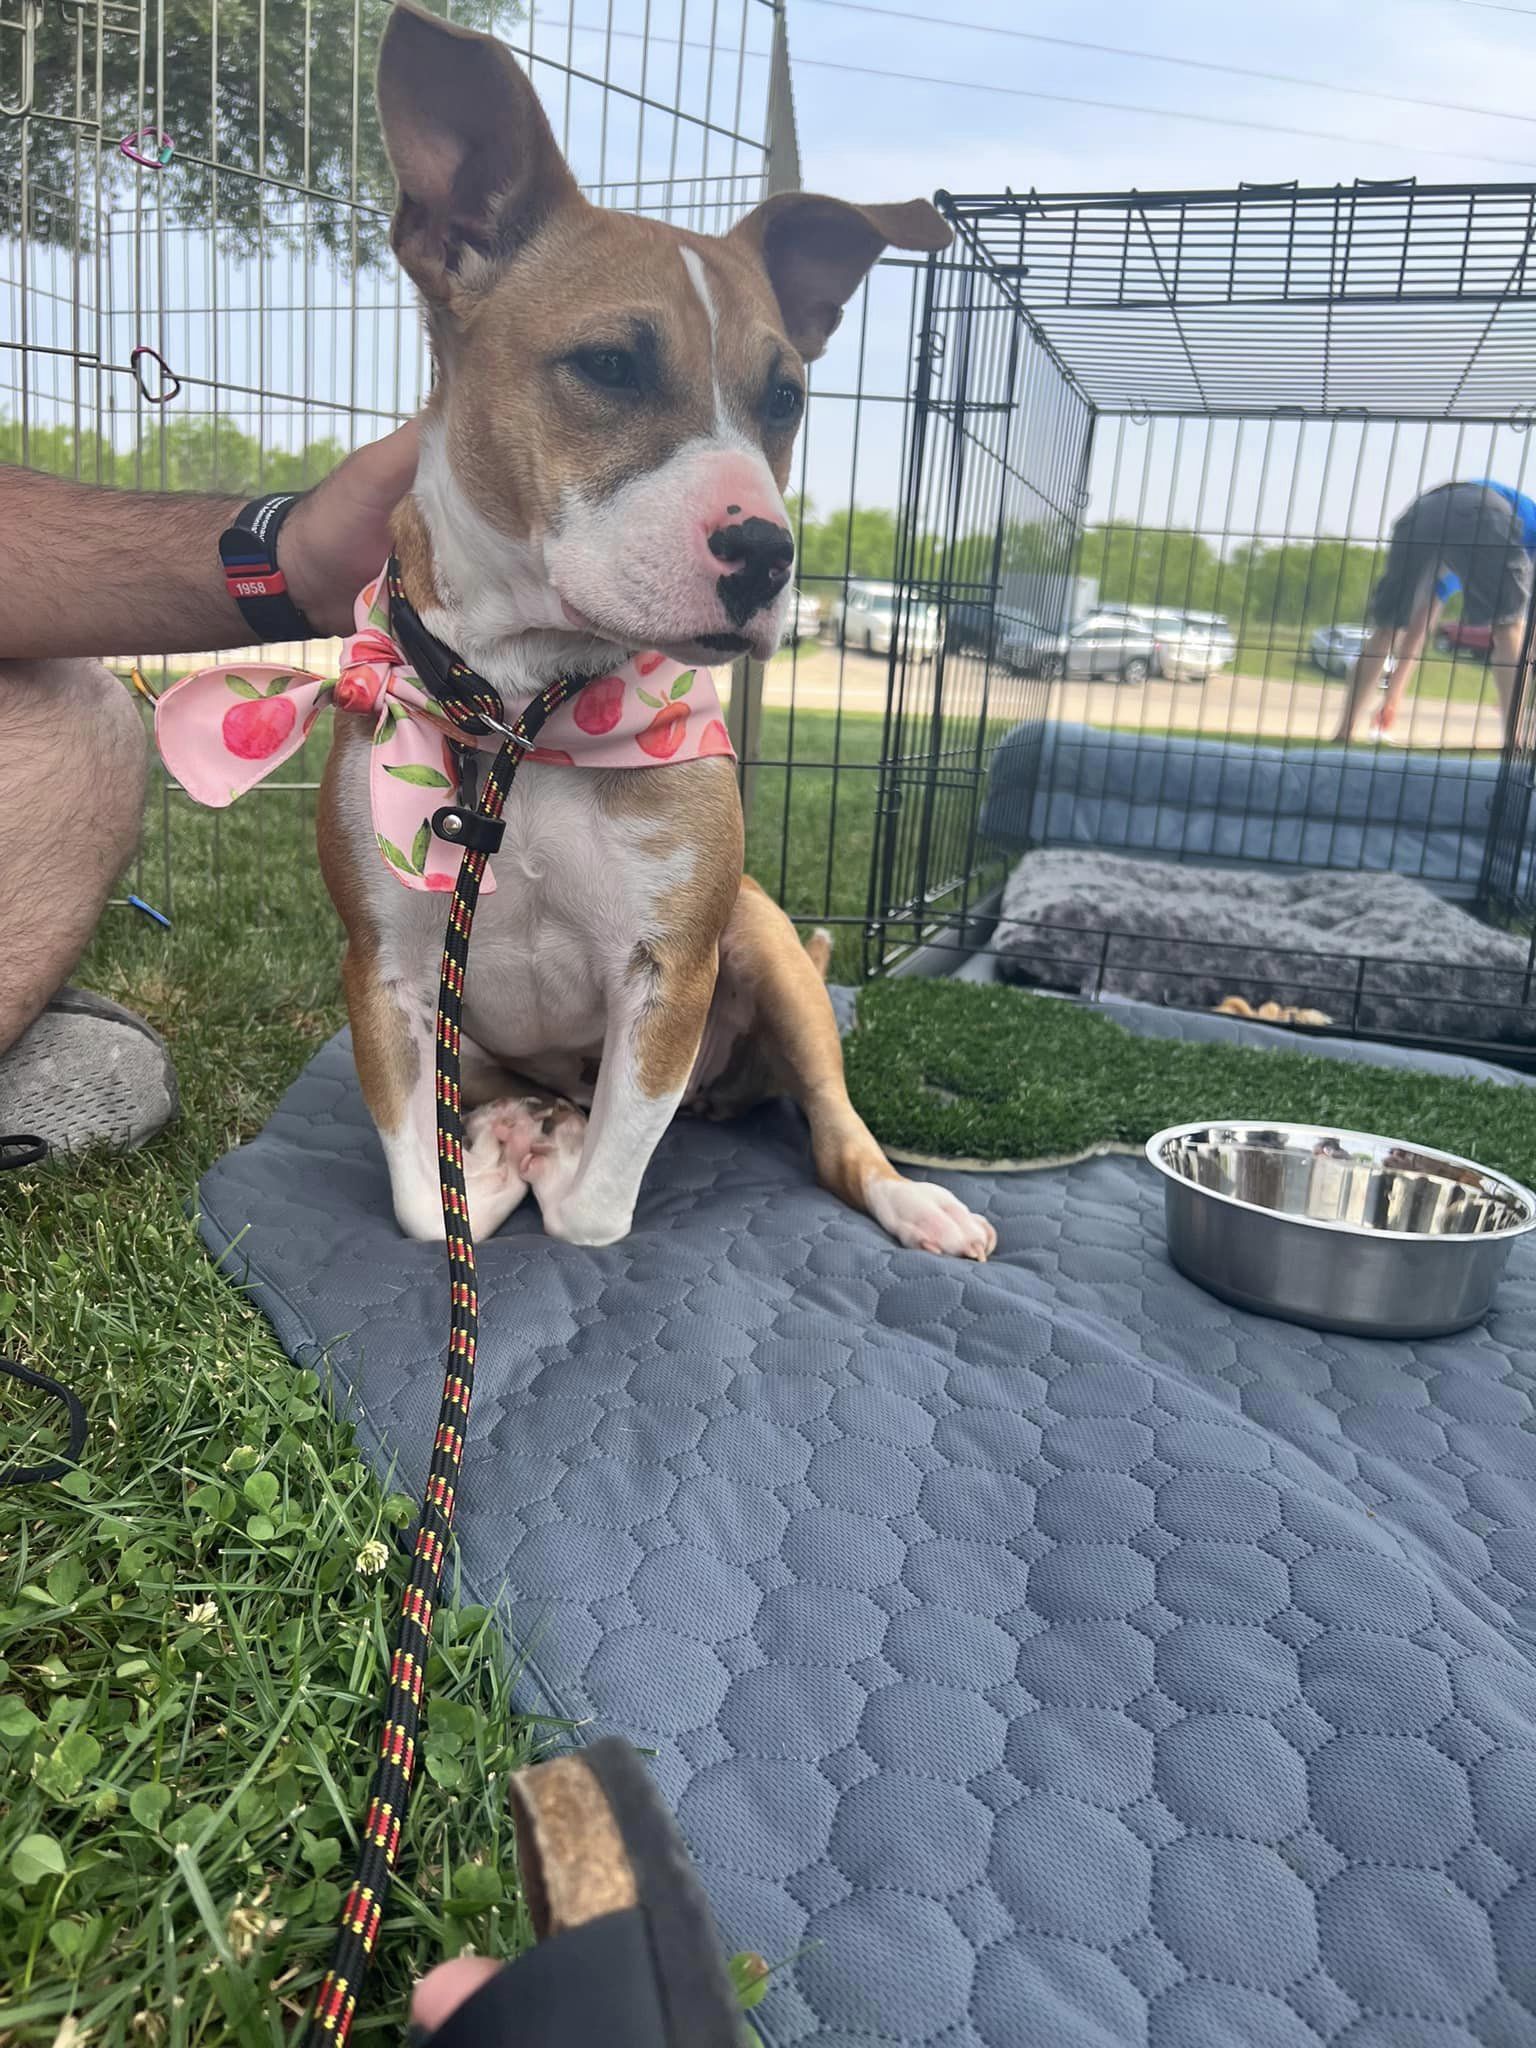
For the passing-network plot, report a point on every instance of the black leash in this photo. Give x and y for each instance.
(475, 708)
(16, 1152)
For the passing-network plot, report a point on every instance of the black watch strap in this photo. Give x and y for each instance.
(248, 550)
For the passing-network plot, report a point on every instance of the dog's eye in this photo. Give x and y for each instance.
(611, 369)
(784, 402)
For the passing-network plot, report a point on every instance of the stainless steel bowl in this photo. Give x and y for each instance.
(1337, 1229)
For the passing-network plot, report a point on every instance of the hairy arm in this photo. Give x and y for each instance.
(89, 570)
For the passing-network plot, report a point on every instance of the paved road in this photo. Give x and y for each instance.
(816, 676)
(820, 677)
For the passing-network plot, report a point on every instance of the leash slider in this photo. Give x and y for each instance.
(463, 828)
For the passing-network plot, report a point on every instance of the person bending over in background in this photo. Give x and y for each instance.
(1479, 538)
(90, 571)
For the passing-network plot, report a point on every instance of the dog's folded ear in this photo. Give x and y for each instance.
(818, 251)
(477, 162)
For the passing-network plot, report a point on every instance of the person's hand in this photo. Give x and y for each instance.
(443, 1990)
(337, 536)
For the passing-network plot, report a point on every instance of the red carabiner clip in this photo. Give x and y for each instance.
(164, 148)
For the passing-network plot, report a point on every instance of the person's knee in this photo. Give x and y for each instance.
(70, 726)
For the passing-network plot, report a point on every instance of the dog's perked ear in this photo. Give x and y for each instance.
(818, 251)
(477, 162)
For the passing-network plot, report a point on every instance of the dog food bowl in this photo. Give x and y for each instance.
(1336, 1229)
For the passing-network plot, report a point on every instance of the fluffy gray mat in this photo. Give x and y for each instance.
(1192, 936)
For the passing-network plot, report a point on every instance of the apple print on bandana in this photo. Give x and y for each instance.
(255, 728)
(664, 735)
(601, 704)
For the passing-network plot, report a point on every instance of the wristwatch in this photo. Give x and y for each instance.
(248, 550)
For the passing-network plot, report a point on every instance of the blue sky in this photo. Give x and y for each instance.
(977, 111)
(871, 136)
(877, 138)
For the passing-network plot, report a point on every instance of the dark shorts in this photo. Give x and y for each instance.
(1465, 528)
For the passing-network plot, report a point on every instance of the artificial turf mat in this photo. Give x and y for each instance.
(973, 1073)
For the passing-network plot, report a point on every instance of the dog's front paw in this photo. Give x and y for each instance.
(580, 1218)
(552, 1159)
(927, 1218)
(504, 1142)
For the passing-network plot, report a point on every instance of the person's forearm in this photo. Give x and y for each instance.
(85, 570)
(88, 570)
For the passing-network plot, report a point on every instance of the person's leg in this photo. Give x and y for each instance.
(1504, 662)
(1409, 649)
(73, 755)
(75, 1070)
(1497, 579)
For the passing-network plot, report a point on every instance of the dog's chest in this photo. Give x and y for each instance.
(577, 889)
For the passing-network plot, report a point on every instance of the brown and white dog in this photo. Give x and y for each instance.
(601, 471)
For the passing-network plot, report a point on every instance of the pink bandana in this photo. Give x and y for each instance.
(222, 730)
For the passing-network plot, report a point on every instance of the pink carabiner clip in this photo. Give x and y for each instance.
(170, 382)
(165, 148)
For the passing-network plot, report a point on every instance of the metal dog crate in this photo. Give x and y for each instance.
(1210, 402)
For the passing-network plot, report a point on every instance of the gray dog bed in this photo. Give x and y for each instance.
(1042, 1654)
(1166, 932)
(1406, 812)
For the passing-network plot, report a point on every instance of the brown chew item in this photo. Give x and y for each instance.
(1269, 1013)
(571, 1854)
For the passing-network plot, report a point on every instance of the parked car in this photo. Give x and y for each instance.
(866, 617)
(1028, 647)
(1336, 649)
(805, 614)
(1106, 643)
(1457, 637)
(971, 628)
(1190, 646)
(1001, 633)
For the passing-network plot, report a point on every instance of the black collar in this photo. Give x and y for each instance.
(473, 704)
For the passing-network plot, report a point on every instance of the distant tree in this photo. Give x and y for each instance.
(1292, 583)
(1161, 566)
(174, 455)
(61, 452)
(854, 541)
(287, 121)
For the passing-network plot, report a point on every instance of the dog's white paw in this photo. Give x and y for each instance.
(580, 1218)
(503, 1143)
(553, 1158)
(586, 1215)
(927, 1218)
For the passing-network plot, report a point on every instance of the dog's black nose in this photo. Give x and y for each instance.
(760, 555)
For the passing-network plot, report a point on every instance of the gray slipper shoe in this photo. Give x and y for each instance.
(88, 1072)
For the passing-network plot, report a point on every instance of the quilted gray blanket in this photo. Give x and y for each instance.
(1043, 1654)
(1167, 932)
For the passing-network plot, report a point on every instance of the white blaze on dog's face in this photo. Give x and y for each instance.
(618, 399)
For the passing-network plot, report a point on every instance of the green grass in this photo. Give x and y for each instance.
(1464, 680)
(975, 1072)
(811, 833)
(193, 1632)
